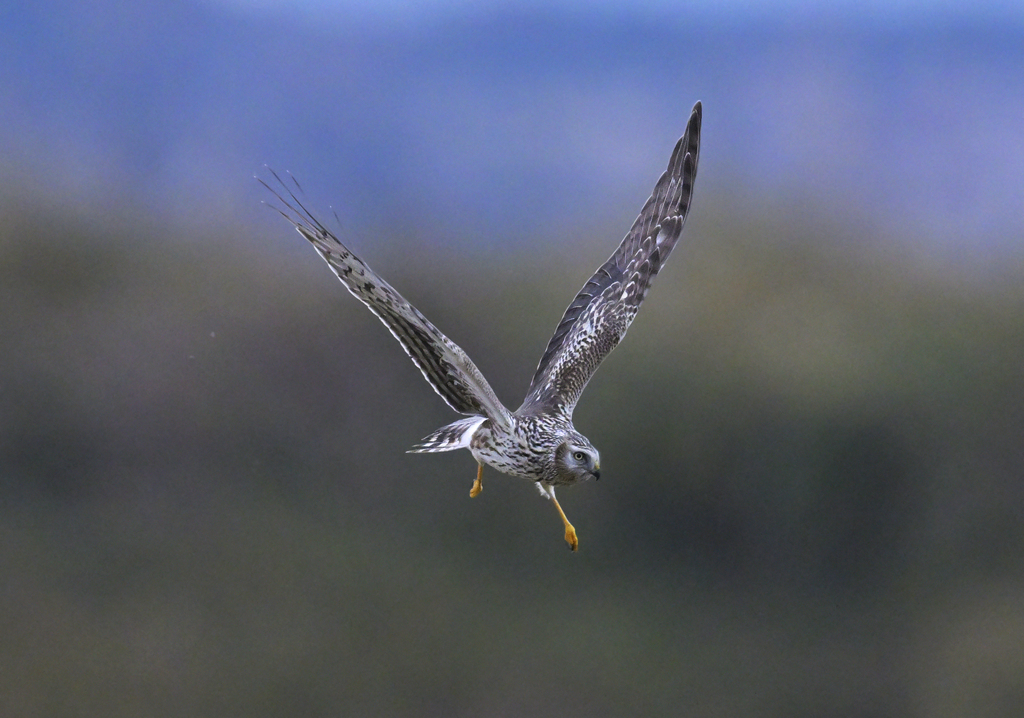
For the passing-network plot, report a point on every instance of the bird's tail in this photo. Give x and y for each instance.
(448, 438)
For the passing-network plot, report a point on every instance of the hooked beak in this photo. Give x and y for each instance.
(597, 472)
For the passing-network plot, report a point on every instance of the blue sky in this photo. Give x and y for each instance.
(890, 115)
(412, 12)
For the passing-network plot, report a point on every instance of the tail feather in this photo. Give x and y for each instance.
(449, 438)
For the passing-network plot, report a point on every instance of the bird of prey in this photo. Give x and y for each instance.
(537, 441)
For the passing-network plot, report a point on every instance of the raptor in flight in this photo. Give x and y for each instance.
(537, 441)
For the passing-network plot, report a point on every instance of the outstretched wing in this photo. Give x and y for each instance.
(599, 316)
(443, 363)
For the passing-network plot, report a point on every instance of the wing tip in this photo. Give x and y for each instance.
(691, 141)
(692, 134)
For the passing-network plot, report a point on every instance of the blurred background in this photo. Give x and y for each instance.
(812, 500)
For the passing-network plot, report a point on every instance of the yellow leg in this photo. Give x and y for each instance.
(478, 485)
(570, 532)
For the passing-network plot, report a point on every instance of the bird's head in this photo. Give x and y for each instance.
(576, 459)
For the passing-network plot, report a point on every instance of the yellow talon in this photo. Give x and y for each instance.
(570, 537)
(570, 532)
(478, 485)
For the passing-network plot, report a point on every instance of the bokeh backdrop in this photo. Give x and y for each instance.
(812, 499)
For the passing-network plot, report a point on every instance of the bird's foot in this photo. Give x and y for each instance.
(570, 537)
(570, 532)
(478, 485)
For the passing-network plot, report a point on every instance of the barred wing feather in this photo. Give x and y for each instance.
(597, 319)
(442, 362)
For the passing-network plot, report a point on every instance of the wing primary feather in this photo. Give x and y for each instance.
(444, 365)
(597, 318)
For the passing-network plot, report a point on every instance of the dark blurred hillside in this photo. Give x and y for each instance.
(812, 501)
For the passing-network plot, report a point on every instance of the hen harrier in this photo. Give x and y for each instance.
(537, 441)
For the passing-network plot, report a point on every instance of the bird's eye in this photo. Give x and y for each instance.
(579, 456)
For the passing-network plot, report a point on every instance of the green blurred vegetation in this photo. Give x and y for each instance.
(812, 501)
